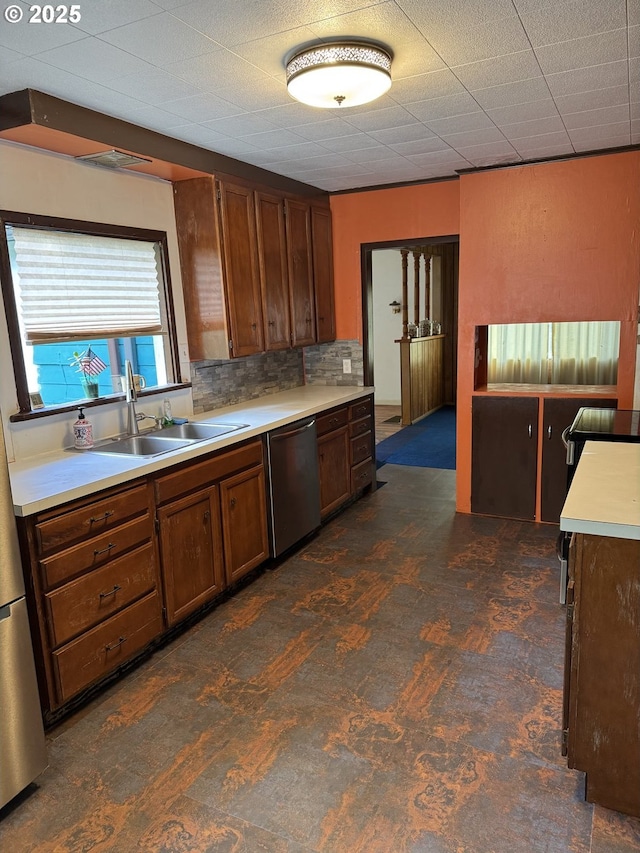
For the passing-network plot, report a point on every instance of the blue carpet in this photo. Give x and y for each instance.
(431, 443)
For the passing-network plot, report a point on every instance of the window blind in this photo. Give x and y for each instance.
(77, 286)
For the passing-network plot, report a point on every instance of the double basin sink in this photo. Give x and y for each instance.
(162, 441)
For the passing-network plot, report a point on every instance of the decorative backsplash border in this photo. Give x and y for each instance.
(224, 382)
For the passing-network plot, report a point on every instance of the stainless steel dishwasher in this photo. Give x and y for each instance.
(294, 483)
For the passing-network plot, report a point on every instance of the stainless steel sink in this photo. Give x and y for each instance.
(194, 431)
(140, 445)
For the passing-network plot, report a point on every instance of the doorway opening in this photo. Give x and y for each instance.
(404, 284)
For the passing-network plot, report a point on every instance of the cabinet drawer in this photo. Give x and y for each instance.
(104, 648)
(92, 598)
(360, 448)
(332, 420)
(361, 475)
(201, 474)
(360, 409)
(360, 426)
(96, 552)
(90, 519)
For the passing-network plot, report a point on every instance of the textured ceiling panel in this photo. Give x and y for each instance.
(476, 82)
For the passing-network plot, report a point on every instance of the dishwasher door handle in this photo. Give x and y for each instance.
(277, 436)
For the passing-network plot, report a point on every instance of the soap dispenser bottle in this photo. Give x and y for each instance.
(82, 432)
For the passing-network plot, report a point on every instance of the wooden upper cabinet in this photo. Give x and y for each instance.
(323, 274)
(272, 262)
(240, 253)
(300, 270)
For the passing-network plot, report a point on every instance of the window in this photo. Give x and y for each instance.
(80, 299)
(554, 353)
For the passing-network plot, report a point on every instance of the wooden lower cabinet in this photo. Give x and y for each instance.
(244, 522)
(191, 552)
(335, 473)
(602, 676)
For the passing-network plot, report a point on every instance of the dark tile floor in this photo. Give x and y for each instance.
(394, 687)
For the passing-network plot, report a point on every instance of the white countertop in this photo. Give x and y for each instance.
(45, 481)
(604, 498)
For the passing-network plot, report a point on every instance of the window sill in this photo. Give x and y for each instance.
(19, 417)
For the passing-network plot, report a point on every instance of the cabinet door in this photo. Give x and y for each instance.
(504, 456)
(299, 255)
(323, 274)
(272, 261)
(335, 473)
(191, 552)
(558, 413)
(244, 522)
(237, 215)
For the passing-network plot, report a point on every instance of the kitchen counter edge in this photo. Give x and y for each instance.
(43, 482)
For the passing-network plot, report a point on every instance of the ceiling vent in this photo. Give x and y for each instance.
(113, 159)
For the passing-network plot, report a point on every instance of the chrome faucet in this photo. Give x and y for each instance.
(131, 397)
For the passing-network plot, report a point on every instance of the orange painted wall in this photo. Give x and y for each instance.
(554, 241)
(405, 213)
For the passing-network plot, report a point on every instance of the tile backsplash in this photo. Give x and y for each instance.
(225, 382)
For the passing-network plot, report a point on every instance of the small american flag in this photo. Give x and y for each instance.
(91, 364)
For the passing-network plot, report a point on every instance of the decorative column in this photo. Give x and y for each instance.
(416, 286)
(427, 286)
(405, 293)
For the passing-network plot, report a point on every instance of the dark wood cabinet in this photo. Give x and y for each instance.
(558, 413)
(241, 269)
(244, 522)
(272, 262)
(335, 471)
(504, 456)
(300, 272)
(321, 236)
(191, 552)
(602, 683)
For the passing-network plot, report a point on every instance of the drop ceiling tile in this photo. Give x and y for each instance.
(354, 142)
(100, 61)
(420, 146)
(447, 156)
(241, 125)
(583, 52)
(635, 131)
(155, 118)
(274, 139)
(635, 112)
(450, 105)
(400, 135)
(489, 150)
(555, 22)
(466, 139)
(602, 143)
(593, 118)
(542, 152)
(270, 53)
(634, 71)
(633, 11)
(199, 135)
(201, 107)
(523, 129)
(543, 140)
(501, 69)
(380, 119)
(218, 69)
(262, 94)
(305, 153)
(99, 17)
(581, 101)
(587, 79)
(460, 124)
(413, 58)
(634, 42)
(384, 156)
(435, 84)
(153, 87)
(237, 148)
(460, 13)
(509, 94)
(7, 55)
(328, 129)
(171, 4)
(523, 112)
(160, 40)
(460, 45)
(293, 114)
(595, 135)
(31, 39)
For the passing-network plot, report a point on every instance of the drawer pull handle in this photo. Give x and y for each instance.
(334, 421)
(233, 502)
(104, 550)
(115, 589)
(104, 517)
(111, 646)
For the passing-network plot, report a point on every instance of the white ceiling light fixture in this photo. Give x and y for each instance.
(339, 74)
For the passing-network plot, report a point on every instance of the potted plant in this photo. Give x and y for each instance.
(89, 366)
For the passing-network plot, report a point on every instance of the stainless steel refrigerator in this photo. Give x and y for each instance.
(23, 754)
